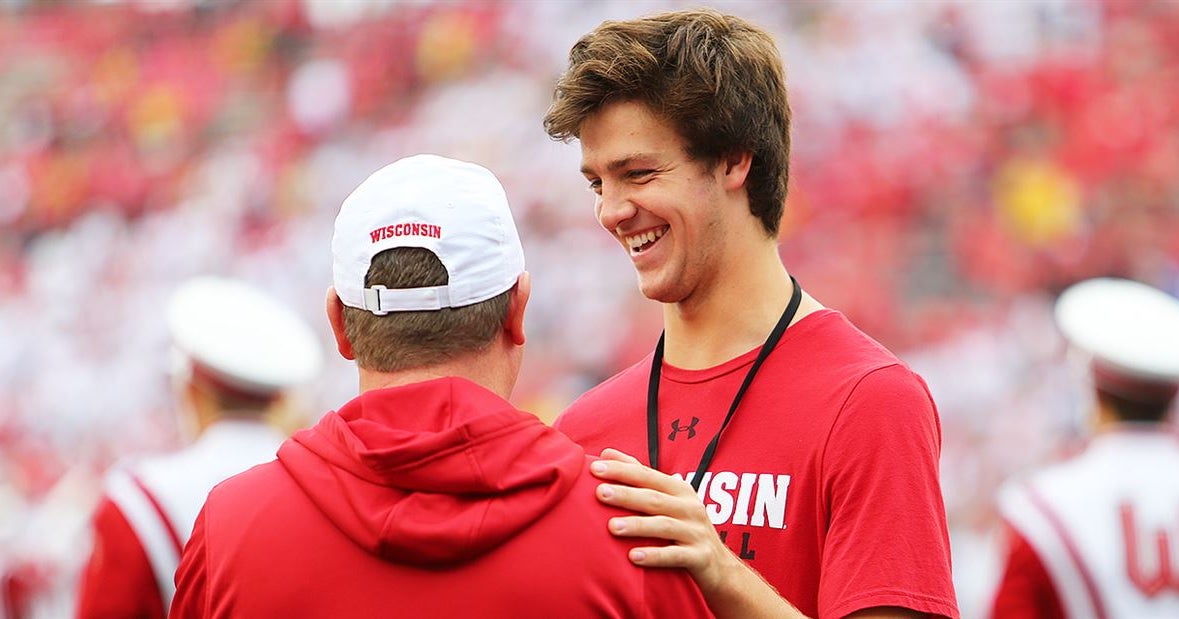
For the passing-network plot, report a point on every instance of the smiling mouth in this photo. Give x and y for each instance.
(640, 243)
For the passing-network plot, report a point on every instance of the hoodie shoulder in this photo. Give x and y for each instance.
(610, 414)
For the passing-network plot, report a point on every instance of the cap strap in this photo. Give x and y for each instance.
(381, 300)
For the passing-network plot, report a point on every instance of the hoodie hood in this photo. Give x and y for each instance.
(432, 473)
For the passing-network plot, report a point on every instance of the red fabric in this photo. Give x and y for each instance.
(855, 431)
(431, 500)
(118, 580)
(1025, 590)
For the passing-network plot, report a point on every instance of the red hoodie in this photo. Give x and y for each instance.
(437, 499)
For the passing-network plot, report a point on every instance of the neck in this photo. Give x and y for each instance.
(479, 368)
(204, 410)
(1105, 420)
(732, 315)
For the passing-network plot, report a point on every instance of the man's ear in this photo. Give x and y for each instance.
(519, 300)
(335, 314)
(734, 169)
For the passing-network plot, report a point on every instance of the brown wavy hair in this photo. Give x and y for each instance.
(716, 78)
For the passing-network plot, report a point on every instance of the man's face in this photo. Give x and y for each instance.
(664, 208)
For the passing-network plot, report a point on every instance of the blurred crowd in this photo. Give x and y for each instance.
(955, 165)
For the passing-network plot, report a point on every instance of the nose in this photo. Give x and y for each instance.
(612, 208)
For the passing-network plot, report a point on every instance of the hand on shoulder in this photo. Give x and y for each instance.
(669, 509)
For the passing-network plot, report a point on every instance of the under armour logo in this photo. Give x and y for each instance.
(676, 429)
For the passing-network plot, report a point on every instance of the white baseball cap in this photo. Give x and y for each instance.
(455, 209)
(245, 339)
(1131, 331)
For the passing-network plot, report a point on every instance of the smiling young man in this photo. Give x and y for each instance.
(812, 449)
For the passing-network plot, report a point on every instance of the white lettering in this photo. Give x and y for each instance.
(771, 501)
(741, 513)
(760, 499)
(718, 491)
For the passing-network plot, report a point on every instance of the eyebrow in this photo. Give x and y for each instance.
(622, 162)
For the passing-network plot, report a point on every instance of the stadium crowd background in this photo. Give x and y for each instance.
(955, 165)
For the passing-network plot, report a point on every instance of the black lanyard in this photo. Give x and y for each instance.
(657, 368)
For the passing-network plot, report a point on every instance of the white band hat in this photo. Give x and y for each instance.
(245, 338)
(1131, 331)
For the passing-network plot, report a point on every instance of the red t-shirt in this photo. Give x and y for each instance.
(118, 580)
(1025, 590)
(826, 480)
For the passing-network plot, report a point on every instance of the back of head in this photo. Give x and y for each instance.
(240, 345)
(425, 254)
(717, 78)
(1131, 333)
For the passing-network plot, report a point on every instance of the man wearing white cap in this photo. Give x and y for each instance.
(1097, 536)
(428, 495)
(237, 352)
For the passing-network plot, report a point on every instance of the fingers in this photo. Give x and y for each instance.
(655, 527)
(693, 545)
(632, 473)
(650, 501)
(688, 547)
(667, 556)
(613, 454)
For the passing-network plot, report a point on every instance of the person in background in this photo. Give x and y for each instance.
(428, 495)
(237, 352)
(812, 449)
(1095, 536)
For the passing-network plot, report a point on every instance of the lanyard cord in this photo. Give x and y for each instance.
(656, 371)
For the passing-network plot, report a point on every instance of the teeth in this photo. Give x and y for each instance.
(638, 240)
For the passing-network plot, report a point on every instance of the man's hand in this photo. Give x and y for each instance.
(674, 513)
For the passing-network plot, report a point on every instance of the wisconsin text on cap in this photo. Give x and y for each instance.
(406, 229)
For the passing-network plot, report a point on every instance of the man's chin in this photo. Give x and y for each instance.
(660, 291)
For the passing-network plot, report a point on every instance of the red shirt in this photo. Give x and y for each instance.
(1025, 590)
(826, 480)
(118, 580)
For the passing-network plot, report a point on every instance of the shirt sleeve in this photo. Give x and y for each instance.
(887, 543)
(1025, 590)
(117, 580)
(191, 600)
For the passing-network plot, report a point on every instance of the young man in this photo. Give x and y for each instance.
(1088, 537)
(814, 450)
(428, 495)
(237, 352)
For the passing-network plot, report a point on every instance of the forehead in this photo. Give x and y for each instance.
(625, 131)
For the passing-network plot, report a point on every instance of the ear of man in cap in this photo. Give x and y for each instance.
(1130, 331)
(427, 267)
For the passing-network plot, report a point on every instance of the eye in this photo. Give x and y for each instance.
(642, 175)
(595, 186)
